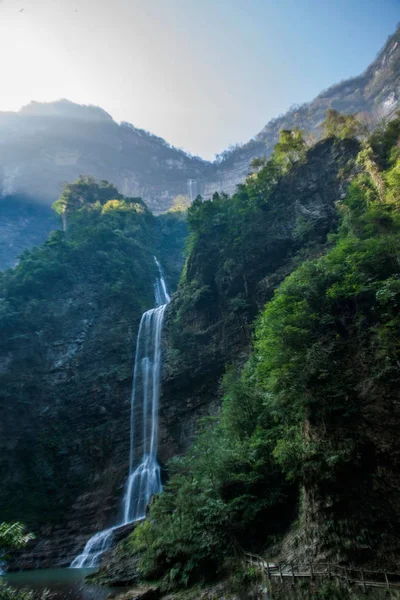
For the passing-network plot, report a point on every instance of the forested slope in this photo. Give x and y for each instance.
(69, 316)
(305, 449)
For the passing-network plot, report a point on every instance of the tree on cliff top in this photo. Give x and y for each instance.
(342, 126)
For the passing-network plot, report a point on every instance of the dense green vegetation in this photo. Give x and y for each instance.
(241, 248)
(69, 313)
(13, 536)
(301, 413)
(107, 237)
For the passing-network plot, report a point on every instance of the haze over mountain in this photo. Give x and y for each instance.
(45, 145)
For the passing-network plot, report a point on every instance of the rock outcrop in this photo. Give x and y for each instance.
(69, 322)
(209, 321)
(65, 425)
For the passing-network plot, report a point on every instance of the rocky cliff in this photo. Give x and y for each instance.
(375, 94)
(316, 404)
(240, 250)
(70, 313)
(69, 318)
(209, 321)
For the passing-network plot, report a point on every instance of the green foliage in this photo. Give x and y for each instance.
(85, 192)
(9, 593)
(79, 295)
(13, 536)
(234, 227)
(303, 337)
(293, 416)
(180, 204)
(226, 491)
(384, 142)
(291, 148)
(329, 334)
(342, 126)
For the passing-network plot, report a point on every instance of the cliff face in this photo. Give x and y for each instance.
(65, 425)
(323, 373)
(69, 319)
(45, 145)
(209, 321)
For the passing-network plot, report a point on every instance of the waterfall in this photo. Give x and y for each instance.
(192, 188)
(144, 478)
(94, 548)
(144, 472)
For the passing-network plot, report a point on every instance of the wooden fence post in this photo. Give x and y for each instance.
(363, 579)
(268, 573)
(311, 572)
(291, 564)
(387, 581)
(280, 572)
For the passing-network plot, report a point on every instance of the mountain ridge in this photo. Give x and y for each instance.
(45, 145)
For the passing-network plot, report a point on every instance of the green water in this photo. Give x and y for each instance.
(66, 584)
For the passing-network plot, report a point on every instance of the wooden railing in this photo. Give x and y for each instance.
(325, 570)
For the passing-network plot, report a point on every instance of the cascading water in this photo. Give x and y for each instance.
(144, 478)
(192, 187)
(144, 472)
(94, 548)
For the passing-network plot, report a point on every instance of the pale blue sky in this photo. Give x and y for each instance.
(203, 74)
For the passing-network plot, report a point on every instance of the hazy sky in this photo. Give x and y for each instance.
(203, 74)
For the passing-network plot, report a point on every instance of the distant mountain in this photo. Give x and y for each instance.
(376, 92)
(45, 145)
